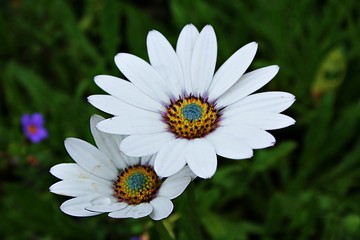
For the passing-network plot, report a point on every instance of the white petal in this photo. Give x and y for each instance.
(122, 213)
(171, 157)
(145, 144)
(76, 206)
(109, 104)
(229, 145)
(130, 161)
(107, 207)
(232, 70)
(165, 61)
(115, 106)
(275, 102)
(254, 137)
(127, 92)
(203, 60)
(247, 84)
(185, 172)
(184, 50)
(173, 187)
(133, 125)
(143, 76)
(80, 187)
(90, 158)
(201, 157)
(162, 208)
(262, 120)
(102, 200)
(141, 210)
(108, 143)
(72, 171)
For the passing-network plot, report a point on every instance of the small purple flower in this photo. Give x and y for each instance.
(33, 127)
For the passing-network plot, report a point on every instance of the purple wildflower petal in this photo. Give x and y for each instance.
(42, 133)
(25, 120)
(37, 119)
(35, 138)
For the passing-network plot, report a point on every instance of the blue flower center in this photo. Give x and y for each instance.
(136, 181)
(136, 184)
(192, 117)
(192, 112)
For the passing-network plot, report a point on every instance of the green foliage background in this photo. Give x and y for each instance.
(306, 187)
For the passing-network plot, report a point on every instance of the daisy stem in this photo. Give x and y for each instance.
(161, 229)
(192, 213)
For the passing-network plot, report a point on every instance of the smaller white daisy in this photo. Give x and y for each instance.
(104, 180)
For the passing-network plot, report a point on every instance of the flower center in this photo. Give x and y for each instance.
(192, 111)
(32, 129)
(192, 117)
(136, 184)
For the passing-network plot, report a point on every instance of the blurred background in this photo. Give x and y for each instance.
(306, 187)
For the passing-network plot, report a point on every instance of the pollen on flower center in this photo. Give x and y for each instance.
(192, 117)
(136, 184)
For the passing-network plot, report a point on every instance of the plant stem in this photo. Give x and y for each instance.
(192, 213)
(161, 229)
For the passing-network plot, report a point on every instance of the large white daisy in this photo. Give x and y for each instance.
(103, 180)
(178, 107)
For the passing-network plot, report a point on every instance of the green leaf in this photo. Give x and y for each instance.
(110, 27)
(331, 72)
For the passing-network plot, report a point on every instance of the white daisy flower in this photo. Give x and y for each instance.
(103, 180)
(177, 107)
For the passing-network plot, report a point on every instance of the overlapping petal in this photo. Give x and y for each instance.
(107, 143)
(165, 61)
(171, 157)
(262, 120)
(107, 207)
(148, 124)
(162, 208)
(143, 76)
(80, 187)
(141, 210)
(115, 106)
(232, 70)
(74, 171)
(76, 206)
(127, 92)
(247, 84)
(184, 51)
(90, 158)
(145, 144)
(105, 204)
(229, 145)
(201, 157)
(275, 102)
(203, 61)
(173, 187)
(122, 213)
(253, 136)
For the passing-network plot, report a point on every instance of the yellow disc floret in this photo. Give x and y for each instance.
(136, 184)
(191, 117)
